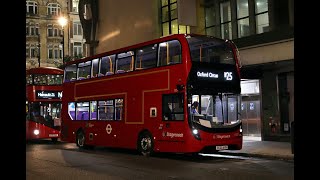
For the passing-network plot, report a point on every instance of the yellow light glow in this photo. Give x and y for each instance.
(62, 21)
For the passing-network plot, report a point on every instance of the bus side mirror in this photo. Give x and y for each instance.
(180, 87)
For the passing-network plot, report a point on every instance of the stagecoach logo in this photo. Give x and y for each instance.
(48, 94)
(207, 74)
(226, 136)
(109, 129)
(89, 125)
(172, 135)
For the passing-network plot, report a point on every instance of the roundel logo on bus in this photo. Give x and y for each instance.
(108, 128)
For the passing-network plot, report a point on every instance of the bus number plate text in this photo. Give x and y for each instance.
(221, 147)
(53, 135)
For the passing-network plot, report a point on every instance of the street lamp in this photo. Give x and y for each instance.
(62, 21)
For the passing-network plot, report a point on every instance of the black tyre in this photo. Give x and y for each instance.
(80, 139)
(54, 140)
(145, 144)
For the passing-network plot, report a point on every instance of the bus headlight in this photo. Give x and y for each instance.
(196, 134)
(195, 131)
(36, 132)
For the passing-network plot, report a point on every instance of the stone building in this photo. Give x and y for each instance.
(46, 39)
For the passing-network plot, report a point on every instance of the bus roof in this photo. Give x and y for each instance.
(161, 39)
(44, 70)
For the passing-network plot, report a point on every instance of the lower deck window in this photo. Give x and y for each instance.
(110, 109)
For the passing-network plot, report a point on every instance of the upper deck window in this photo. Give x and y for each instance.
(84, 70)
(106, 65)
(146, 57)
(29, 79)
(47, 79)
(70, 73)
(95, 67)
(169, 53)
(125, 62)
(205, 49)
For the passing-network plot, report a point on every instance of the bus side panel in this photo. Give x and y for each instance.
(67, 127)
(153, 114)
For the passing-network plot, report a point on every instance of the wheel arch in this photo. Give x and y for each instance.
(78, 130)
(143, 131)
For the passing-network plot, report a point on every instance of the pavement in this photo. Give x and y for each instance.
(253, 147)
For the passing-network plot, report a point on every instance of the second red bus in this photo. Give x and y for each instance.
(43, 103)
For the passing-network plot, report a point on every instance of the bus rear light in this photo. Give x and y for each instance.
(36, 132)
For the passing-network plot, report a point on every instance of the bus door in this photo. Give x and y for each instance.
(171, 126)
(51, 113)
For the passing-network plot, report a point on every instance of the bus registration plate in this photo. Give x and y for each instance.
(53, 135)
(221, 147)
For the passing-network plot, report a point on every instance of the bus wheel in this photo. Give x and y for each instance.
(145, 144)
(80, 139)
(54, 140)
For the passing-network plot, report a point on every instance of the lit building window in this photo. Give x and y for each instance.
(225, 18)
(262, 17)
(220, 15)
(212, 22)
(75, 5)
(243, 18)
(169, 19)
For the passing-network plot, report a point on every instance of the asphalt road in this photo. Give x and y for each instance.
(46, 160)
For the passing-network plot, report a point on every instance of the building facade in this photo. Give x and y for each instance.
(262, 30)
(48, 43)
(76, 44)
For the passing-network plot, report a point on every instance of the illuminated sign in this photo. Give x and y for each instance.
(226, 75)
(207, 74)
(48, 94)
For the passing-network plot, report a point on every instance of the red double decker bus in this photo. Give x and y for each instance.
(43, 103)
(179, 93)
